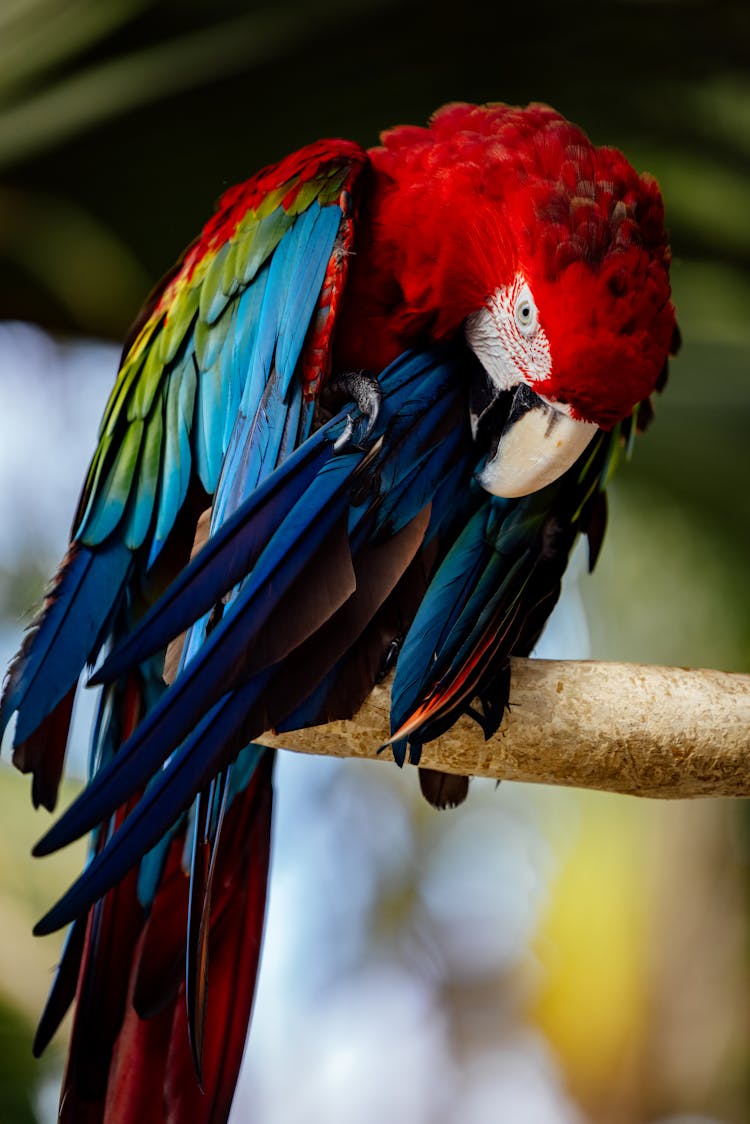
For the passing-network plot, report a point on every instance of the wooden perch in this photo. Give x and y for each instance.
(630, 728)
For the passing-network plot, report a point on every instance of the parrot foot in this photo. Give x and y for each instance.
(364, 391)
(390, 658)
(493, 705)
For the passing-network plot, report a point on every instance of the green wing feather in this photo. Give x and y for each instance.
(172, 409)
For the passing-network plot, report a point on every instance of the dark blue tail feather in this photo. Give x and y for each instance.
(83, 597)
(411, 450)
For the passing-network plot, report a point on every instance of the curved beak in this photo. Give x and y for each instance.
(535, 446)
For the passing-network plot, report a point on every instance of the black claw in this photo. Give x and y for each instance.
(494, 701)
(364, 391)
(390, 658)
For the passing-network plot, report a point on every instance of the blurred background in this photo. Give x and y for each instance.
(539, 956)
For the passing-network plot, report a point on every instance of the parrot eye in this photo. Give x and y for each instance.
(525, 313)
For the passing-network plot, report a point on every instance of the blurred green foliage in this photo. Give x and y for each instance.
(25, 964)
(18, 1070)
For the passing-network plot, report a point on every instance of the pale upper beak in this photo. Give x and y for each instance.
(535, 446)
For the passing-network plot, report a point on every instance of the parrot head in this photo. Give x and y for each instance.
(550, 255)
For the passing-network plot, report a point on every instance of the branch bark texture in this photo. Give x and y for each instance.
(629, 728)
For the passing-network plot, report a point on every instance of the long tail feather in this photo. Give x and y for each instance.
(210, 809)
(207, 677)
(235, 546)
(222, 563)
(152, 1064)
(490, 600)
(42, 679)
(65, 634)
(63, 990)
(170, 793)
(42, 753)
(266, 622)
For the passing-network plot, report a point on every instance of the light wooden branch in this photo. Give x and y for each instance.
(630, 728)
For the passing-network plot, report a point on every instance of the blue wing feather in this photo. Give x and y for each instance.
(312, 254)
(241, 353)
(170, 793)
(212, 394)
(110, 505)
(208, 676)
(176, 464)
(143, 496)
(225, 559)
(87, 590)
(244, 636)
(271, 420)
(437, 616)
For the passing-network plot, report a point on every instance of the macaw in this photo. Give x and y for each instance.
(356, 429)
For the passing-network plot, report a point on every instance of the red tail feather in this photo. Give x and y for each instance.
(43, 753)
(130, 1059)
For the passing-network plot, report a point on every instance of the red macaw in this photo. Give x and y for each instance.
(377, 399)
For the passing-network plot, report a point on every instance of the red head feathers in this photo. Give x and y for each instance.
(490, 206)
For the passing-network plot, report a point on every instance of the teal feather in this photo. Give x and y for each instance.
(149, 382)
(266, 237)
(214, 298)
(143, 499)
(297, 425)
(243, 346)
(209, 427)
(96, 472)
(67, 634)
(419, 484)
(175, 471)
(261, 346)
(151, 868)
(230, 278)
(312, 254)
(177, 324)
(209, 339)
(214, 334)
(238, 370)
(186, 407)
(112, 497)
(129, 374)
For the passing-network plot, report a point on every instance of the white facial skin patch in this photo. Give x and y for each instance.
(507, 339)
(540, 441)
